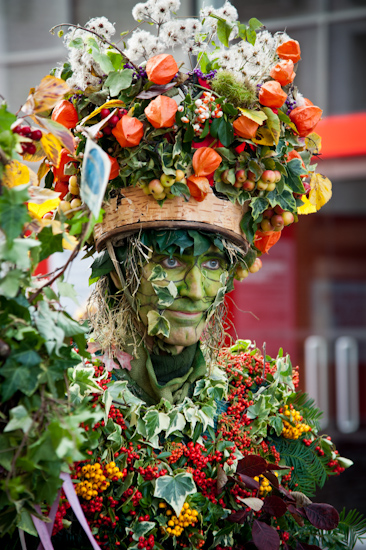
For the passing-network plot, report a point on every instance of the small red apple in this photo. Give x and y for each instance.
(277, 222)
(268, 176)
(288, 218)
(268, 213)
(249, 185)
(278, 176)
(278, 209)
(240, 176)
(266, 225)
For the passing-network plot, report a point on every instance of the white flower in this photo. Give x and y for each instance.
(281, 37)
(179, 31)
(143, 44)
(227, 12)
(300, 100)
(142, 11)
(102, 26)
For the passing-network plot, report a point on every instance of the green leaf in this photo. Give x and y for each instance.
(215, 127)
(293, 179)
(226, 153)
(251, 36)
(257, 116)
(77, 43)
(13, 211)
(276, 423)
(273, 124)
(101, 266)
(157, 324)
(223, 31)
(225, 132)
(119, 80)
(6, 118)
(142, 528)
(254, 24)
(45, 322)
(82, 382)
(229, 110)
(188, 134)
(204, 62)
(158, 273)
(18, 378)
(67, 290)
(69, 326)
(103, 60)
(174, 490)
(117, 60)
(155, 422)
(19, 419)
(166, 294)
(50, 243)
(242, 31)
(258, 205)
(180, 190)
(201, 243)
(9, 285)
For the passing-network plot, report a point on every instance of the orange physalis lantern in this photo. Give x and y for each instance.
(306, 117)
(161, 68)
(264, 240)
(198, 187)
(289, 50)
(245, 127)
(114, 168)
(58, 171)
(161, 112)
(272, 95)
(128, 131)
(205, 161)
(283, 72)
(65, 113)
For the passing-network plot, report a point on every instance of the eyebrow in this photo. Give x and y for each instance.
(220, 255)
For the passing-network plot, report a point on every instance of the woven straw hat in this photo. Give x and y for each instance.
(131, 210)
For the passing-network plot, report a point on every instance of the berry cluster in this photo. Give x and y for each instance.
(293, 428)
(112, 122)
(205, 108)
(32, 135)
(176, 524)
(265, 486)
(148, 543)
(95, 479)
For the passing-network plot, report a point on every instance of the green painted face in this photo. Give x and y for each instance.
(196, 280)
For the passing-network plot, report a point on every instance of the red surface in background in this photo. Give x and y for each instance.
(265, 302)
(42, 268)
(342, 135)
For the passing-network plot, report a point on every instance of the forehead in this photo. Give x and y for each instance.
(213, 251)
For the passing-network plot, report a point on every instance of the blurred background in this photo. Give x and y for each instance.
(310, 296)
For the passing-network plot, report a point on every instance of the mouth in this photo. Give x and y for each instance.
(185, 314)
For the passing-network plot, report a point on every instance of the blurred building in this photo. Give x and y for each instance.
(310, 296)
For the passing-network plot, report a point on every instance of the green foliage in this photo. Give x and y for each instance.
(238, 94)
(41, 427)
(353, 527)
(310, 470)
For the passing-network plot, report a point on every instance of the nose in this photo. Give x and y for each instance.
(192, 286)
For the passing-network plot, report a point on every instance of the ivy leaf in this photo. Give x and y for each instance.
(19, 419)
(119, 80)
(82, 382)
(45, 322)
(157, 324)
(13, 211)
(158, 273)
(67, 290)
(166, 294)
(155, 422)
(18, 378)
(174, 490)
(258, 205)
(117, 60)
(77, 43)
(264, 536)
(293, 180)
(177, 423)
(103, 60)
(141, 529)
(201, 243)
(101, 266)
(50, 243)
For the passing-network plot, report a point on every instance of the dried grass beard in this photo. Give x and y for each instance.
(115, 324)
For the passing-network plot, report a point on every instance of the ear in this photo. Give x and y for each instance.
(115, 279)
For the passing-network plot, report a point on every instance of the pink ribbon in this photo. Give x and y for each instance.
(45, 529)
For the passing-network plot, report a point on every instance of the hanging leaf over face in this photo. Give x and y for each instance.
(157, 324)
(46, 95)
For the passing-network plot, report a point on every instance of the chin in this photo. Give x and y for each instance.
(185, 336)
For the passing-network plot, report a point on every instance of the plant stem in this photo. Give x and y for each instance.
(100, 38)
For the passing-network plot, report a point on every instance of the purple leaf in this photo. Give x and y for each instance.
(264, 536)
(322, 516)
(155, 90)
(272, 478)
(252, 465)
(238, 517)
(249, 482)
(271, 466)
(274, 506)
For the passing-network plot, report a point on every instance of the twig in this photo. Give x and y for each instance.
(100, 38)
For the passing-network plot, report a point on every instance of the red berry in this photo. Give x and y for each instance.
(31, 148)
(107, 130)
(26, 131)
(104, 113)
(36, 135)
(113, 121)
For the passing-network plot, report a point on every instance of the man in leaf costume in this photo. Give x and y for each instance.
(161, 438)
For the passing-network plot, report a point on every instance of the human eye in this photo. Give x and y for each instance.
(170, 263)
(212, 264)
